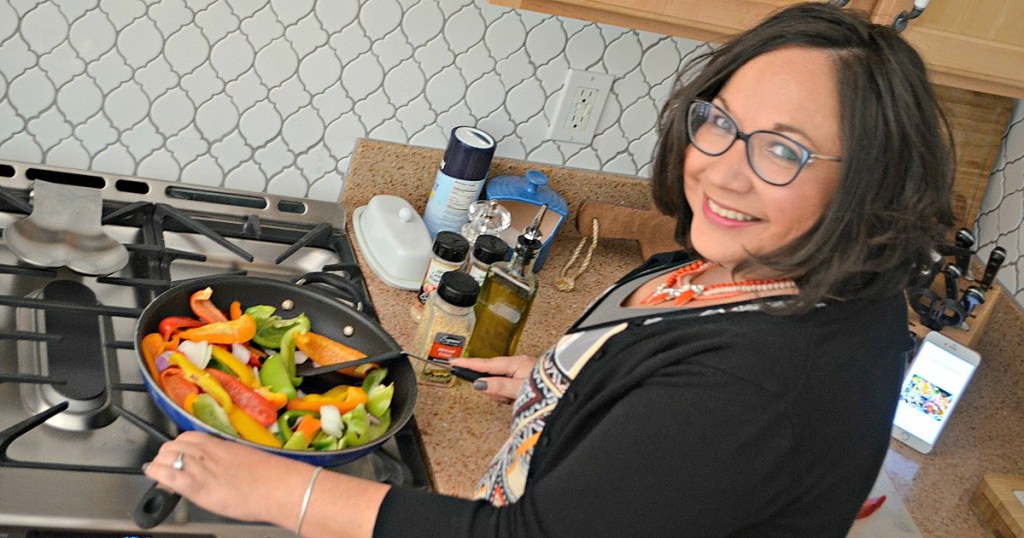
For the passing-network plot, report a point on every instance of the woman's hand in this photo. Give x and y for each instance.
(230, 478)
(508, 375)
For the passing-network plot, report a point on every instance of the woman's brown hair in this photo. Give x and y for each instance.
(892, 203)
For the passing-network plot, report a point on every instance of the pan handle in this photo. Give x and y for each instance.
(154, 507)
(347, 289)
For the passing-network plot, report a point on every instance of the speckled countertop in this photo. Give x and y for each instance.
(461, 430)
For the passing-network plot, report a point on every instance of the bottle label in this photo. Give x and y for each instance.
(445, 346)
(432, 278)
(448, 205)
(478, 273)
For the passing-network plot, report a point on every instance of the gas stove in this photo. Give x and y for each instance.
(76, 423)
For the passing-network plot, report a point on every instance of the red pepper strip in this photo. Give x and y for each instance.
(345, 402)
(871, 504)
(235, 311)
(178, 387)
(152, 345)
(223, 332)
(204, 308)
(176, 323)
(245, 398)
(256, 356)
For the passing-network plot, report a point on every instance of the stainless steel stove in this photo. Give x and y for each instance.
(76, 423)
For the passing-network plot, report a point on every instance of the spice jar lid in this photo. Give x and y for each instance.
(458, 288)
(490, 248)
(451, 246)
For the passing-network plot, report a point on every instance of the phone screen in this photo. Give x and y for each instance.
(931, 389)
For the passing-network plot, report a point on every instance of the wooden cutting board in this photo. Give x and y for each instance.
(648, 227)
(998, 504)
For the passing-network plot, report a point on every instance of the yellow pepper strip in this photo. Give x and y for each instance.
(250, 430)
(344, 397)
(240, 369)
(234, 331)
(152, 345)
(205, 381)
(277, 399)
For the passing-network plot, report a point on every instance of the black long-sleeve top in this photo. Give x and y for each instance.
(702, 423)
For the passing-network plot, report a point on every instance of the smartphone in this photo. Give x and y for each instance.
(931, 389)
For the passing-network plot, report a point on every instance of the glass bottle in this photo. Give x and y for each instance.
(447, 322)
(506, 297)
(487, 250)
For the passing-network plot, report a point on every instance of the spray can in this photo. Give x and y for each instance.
(459, 180)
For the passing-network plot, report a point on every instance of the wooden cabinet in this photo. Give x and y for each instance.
(972, 44)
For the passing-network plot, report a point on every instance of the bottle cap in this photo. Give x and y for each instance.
(490, 248)
(451, 246)
(469, 154)
(458, 288)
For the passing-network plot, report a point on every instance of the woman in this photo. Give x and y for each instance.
(743, 389)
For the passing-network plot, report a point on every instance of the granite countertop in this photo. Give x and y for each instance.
(461, 430)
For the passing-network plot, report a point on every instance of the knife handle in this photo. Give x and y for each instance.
(964, 240)
(995, 261)
(952, 274)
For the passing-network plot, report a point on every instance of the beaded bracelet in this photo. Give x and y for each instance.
(305, 500)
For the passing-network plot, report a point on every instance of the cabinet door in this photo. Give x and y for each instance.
(701, 20)
(972, 44)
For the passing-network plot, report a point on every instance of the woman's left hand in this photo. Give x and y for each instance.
(231, 479)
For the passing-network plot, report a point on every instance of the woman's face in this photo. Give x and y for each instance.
(791, 91)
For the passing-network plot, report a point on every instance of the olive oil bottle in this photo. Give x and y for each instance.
(506, 296)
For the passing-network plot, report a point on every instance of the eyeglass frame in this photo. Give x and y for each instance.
(806, 155)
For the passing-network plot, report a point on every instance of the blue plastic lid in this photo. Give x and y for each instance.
(531, 189)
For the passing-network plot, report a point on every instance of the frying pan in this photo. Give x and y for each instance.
(329, 317)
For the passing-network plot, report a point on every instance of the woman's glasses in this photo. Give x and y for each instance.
(774, 157)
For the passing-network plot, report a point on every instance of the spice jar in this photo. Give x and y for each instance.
(447, 322)
(487, 250)
(448, 254)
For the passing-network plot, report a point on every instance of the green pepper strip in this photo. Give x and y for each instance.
(274, 374)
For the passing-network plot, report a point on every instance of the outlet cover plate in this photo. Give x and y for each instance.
(583, 97)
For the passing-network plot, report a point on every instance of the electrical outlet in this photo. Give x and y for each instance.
(579, 107)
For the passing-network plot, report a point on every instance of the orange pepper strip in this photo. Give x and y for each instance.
(152, 345)
(344, 402)
(204, 308)
(235, 310)
(308, 426)
(324, 351)
(223, 332)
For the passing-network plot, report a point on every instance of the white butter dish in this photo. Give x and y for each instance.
(394, 240)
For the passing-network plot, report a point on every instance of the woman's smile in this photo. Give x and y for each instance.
(725, 216)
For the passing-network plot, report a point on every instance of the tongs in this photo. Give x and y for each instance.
(310, 369)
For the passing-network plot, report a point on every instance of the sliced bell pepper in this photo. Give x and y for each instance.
(242, 371)
(374, 377)
(177, 386)
(246, 399)
(271, 328)
(378, 400)
(223, 332)
(322, 441)
(204, 308)
(251, 430)
(235, 310)
(357, 425)
(276, 399)
(213, 415)
(345, 399)
(169, 325)
(152, 345)
(274, 375)
(287, 421)
(324, 351)
(203, 379)
(305, 432)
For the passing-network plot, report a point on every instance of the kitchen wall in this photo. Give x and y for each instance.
(272, 95)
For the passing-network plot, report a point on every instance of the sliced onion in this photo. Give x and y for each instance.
(198, 353)
(241, 353)
(330, 420)
(163, 361)
(300, 357)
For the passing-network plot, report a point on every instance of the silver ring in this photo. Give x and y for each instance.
(179, 462)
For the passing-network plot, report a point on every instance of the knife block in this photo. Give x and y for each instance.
(976, 322)
(996, 506)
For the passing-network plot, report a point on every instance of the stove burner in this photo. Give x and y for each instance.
(73, 356)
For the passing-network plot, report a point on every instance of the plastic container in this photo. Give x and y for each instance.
(448, 321)
(523, 196)
(460, 179)
(394, 241)
(449, 254)
(487, 250)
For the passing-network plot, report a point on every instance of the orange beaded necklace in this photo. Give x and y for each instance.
(688, 291)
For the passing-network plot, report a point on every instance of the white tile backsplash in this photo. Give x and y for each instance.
(271, 95)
